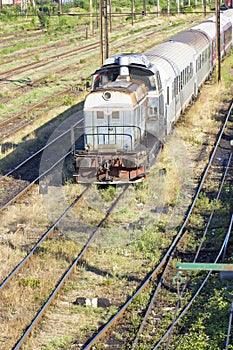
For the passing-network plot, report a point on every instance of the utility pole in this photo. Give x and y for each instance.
(101, 34)
(132, 12)
(96, 14)
(144, 7)
(91, 19)
(110, 15)
(204, 5)
(158, 8)
(104, 49)
(218, 52)
(106, 28)
(168, 7)
(59, 7)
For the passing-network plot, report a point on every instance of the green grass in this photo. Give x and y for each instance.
(57, 343)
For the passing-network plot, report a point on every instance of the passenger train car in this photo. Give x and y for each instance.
(136, 98)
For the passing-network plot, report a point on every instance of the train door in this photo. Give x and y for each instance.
(153, 116)
(129, 120)
(109, 130)
(115, 128)
(105, 131)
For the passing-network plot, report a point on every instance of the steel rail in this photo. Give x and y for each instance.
(41, 240)
(53, 44)
(38, 152)
(22, 34)
(39, 104)
(31, 83)
(9, 120)
(67, 273)
(157, 269)
(28, 109)
(42, 49)
(187, 307)
(149, 308)
(64, 54)
(46, 61)
(229, 326)
(24, 190)
(207, 226)
(213, 210)
(201, 243)
(11, 133)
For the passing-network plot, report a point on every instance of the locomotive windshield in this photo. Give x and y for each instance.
(110, 74)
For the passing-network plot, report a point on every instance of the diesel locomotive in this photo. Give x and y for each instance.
(135, 100)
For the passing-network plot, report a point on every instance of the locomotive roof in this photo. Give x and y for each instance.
(129, 59)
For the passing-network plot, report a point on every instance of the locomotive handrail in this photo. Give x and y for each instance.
(115, 134)
(110, 126)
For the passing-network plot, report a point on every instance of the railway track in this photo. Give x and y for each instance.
(28, 186)
(45, 236)
(33, 163)
(16, 123)
(139, 308)
(21, 35)
(149, 281)
(168, 334)
(41, 310)
(41, 63)
(150, 331)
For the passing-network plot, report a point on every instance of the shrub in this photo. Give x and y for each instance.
(30, 282)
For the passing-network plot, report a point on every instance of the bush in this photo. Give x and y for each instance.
(43, 18)
(30, 282)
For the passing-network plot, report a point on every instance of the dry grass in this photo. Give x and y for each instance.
(87, 69)
(105, 272)
(22, 225)
(113, 273)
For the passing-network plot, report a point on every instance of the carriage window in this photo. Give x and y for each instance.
(115, 115)
(175, 86)
(191, 70)
(100, 115)
(159, 80)
(203, 58)
(153, 111)
(182, 80)
(179, 83)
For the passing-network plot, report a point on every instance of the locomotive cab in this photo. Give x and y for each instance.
(113, 135)
(117, 130)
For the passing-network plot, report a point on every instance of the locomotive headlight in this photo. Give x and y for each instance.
(107, 95)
